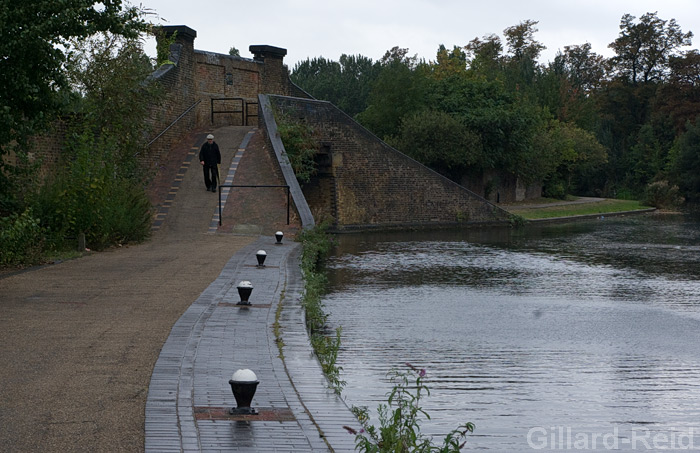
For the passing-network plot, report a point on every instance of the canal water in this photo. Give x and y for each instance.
(582, 336)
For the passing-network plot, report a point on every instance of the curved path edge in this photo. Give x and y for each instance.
(189, 394)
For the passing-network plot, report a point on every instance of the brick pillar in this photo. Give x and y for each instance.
(275, 78)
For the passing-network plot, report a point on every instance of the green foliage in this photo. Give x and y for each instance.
(108, 71)
(346, 83)
(299, 144)
(397, 91)
(82, 59)
(582, 124)
(36, 38)
(163, 44)
(440, 141)
(516, 221)
(663, 196)
(90, 196)
(643, 49)
(684, 162)
(21, 239)
(399, 421)
(316, 244)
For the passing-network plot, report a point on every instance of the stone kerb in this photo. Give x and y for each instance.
(270, 126)
(379, 187)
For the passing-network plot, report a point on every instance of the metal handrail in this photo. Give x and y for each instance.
(173, 123)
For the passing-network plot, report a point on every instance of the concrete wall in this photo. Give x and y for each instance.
(364, 183)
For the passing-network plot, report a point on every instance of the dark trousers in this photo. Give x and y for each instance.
(210, 173)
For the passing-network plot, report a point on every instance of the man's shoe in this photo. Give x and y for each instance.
(213, 189)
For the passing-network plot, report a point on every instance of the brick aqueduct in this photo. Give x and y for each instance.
(362, 183)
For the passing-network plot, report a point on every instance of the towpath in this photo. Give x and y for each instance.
(131, 349)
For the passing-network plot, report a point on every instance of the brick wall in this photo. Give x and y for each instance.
(189, 84)
(374, 185)
(171, 120)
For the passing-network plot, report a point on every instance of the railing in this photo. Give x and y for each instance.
(244, 110)
(173, 123)
(252, 187)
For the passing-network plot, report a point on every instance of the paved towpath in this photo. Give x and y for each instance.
(97, 348)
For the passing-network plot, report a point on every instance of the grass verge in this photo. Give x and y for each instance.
(575, 209)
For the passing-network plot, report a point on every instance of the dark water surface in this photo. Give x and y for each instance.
(562, 337)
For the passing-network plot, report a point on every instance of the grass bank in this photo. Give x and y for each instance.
(547, 208)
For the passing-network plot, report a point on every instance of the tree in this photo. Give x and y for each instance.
(585, 69)
(396, 92)
(97, 187)
(484, 55)
(439, 141)
(35, 37)
(523, 52)
(521, 41)
(685, 162)
(643, 49)
(449, 63)
(234, 52)
(107, 73)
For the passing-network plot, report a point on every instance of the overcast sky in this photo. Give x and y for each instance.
(330, 28)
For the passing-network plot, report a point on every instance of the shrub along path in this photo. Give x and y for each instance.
(80, 338)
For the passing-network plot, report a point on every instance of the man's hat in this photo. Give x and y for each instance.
(210, 137)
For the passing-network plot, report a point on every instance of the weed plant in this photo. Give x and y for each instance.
(316, 244)
(400, 419)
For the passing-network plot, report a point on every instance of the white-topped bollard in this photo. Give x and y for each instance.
(245, 288)
(279, 235)
(261, 255)
(243, 385)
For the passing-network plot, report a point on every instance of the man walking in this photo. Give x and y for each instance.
(210, 158)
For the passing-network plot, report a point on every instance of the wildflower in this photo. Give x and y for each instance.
(421, 373)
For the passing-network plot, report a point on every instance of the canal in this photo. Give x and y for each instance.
(580, 335)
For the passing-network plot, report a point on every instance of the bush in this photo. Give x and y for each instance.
(90, 196)
(21, 239)
(299, 145)
(663, 196)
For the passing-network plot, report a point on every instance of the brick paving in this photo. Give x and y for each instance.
(189, 390)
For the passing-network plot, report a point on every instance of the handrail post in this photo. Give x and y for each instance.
(219, 204)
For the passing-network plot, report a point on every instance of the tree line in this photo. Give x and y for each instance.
(581, 124)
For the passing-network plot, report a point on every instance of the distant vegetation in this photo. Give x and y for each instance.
(623, 127)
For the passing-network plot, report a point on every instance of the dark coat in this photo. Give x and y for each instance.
(210, 154)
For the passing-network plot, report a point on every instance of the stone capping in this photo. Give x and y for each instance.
(182, 31)
(225, 55)
(263, 51)
(270, 125)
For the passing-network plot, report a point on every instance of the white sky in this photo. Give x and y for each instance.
(330, 28)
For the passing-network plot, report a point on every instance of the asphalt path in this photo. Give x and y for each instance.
(80, 338)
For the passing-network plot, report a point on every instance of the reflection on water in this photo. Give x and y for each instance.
(586, 329)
